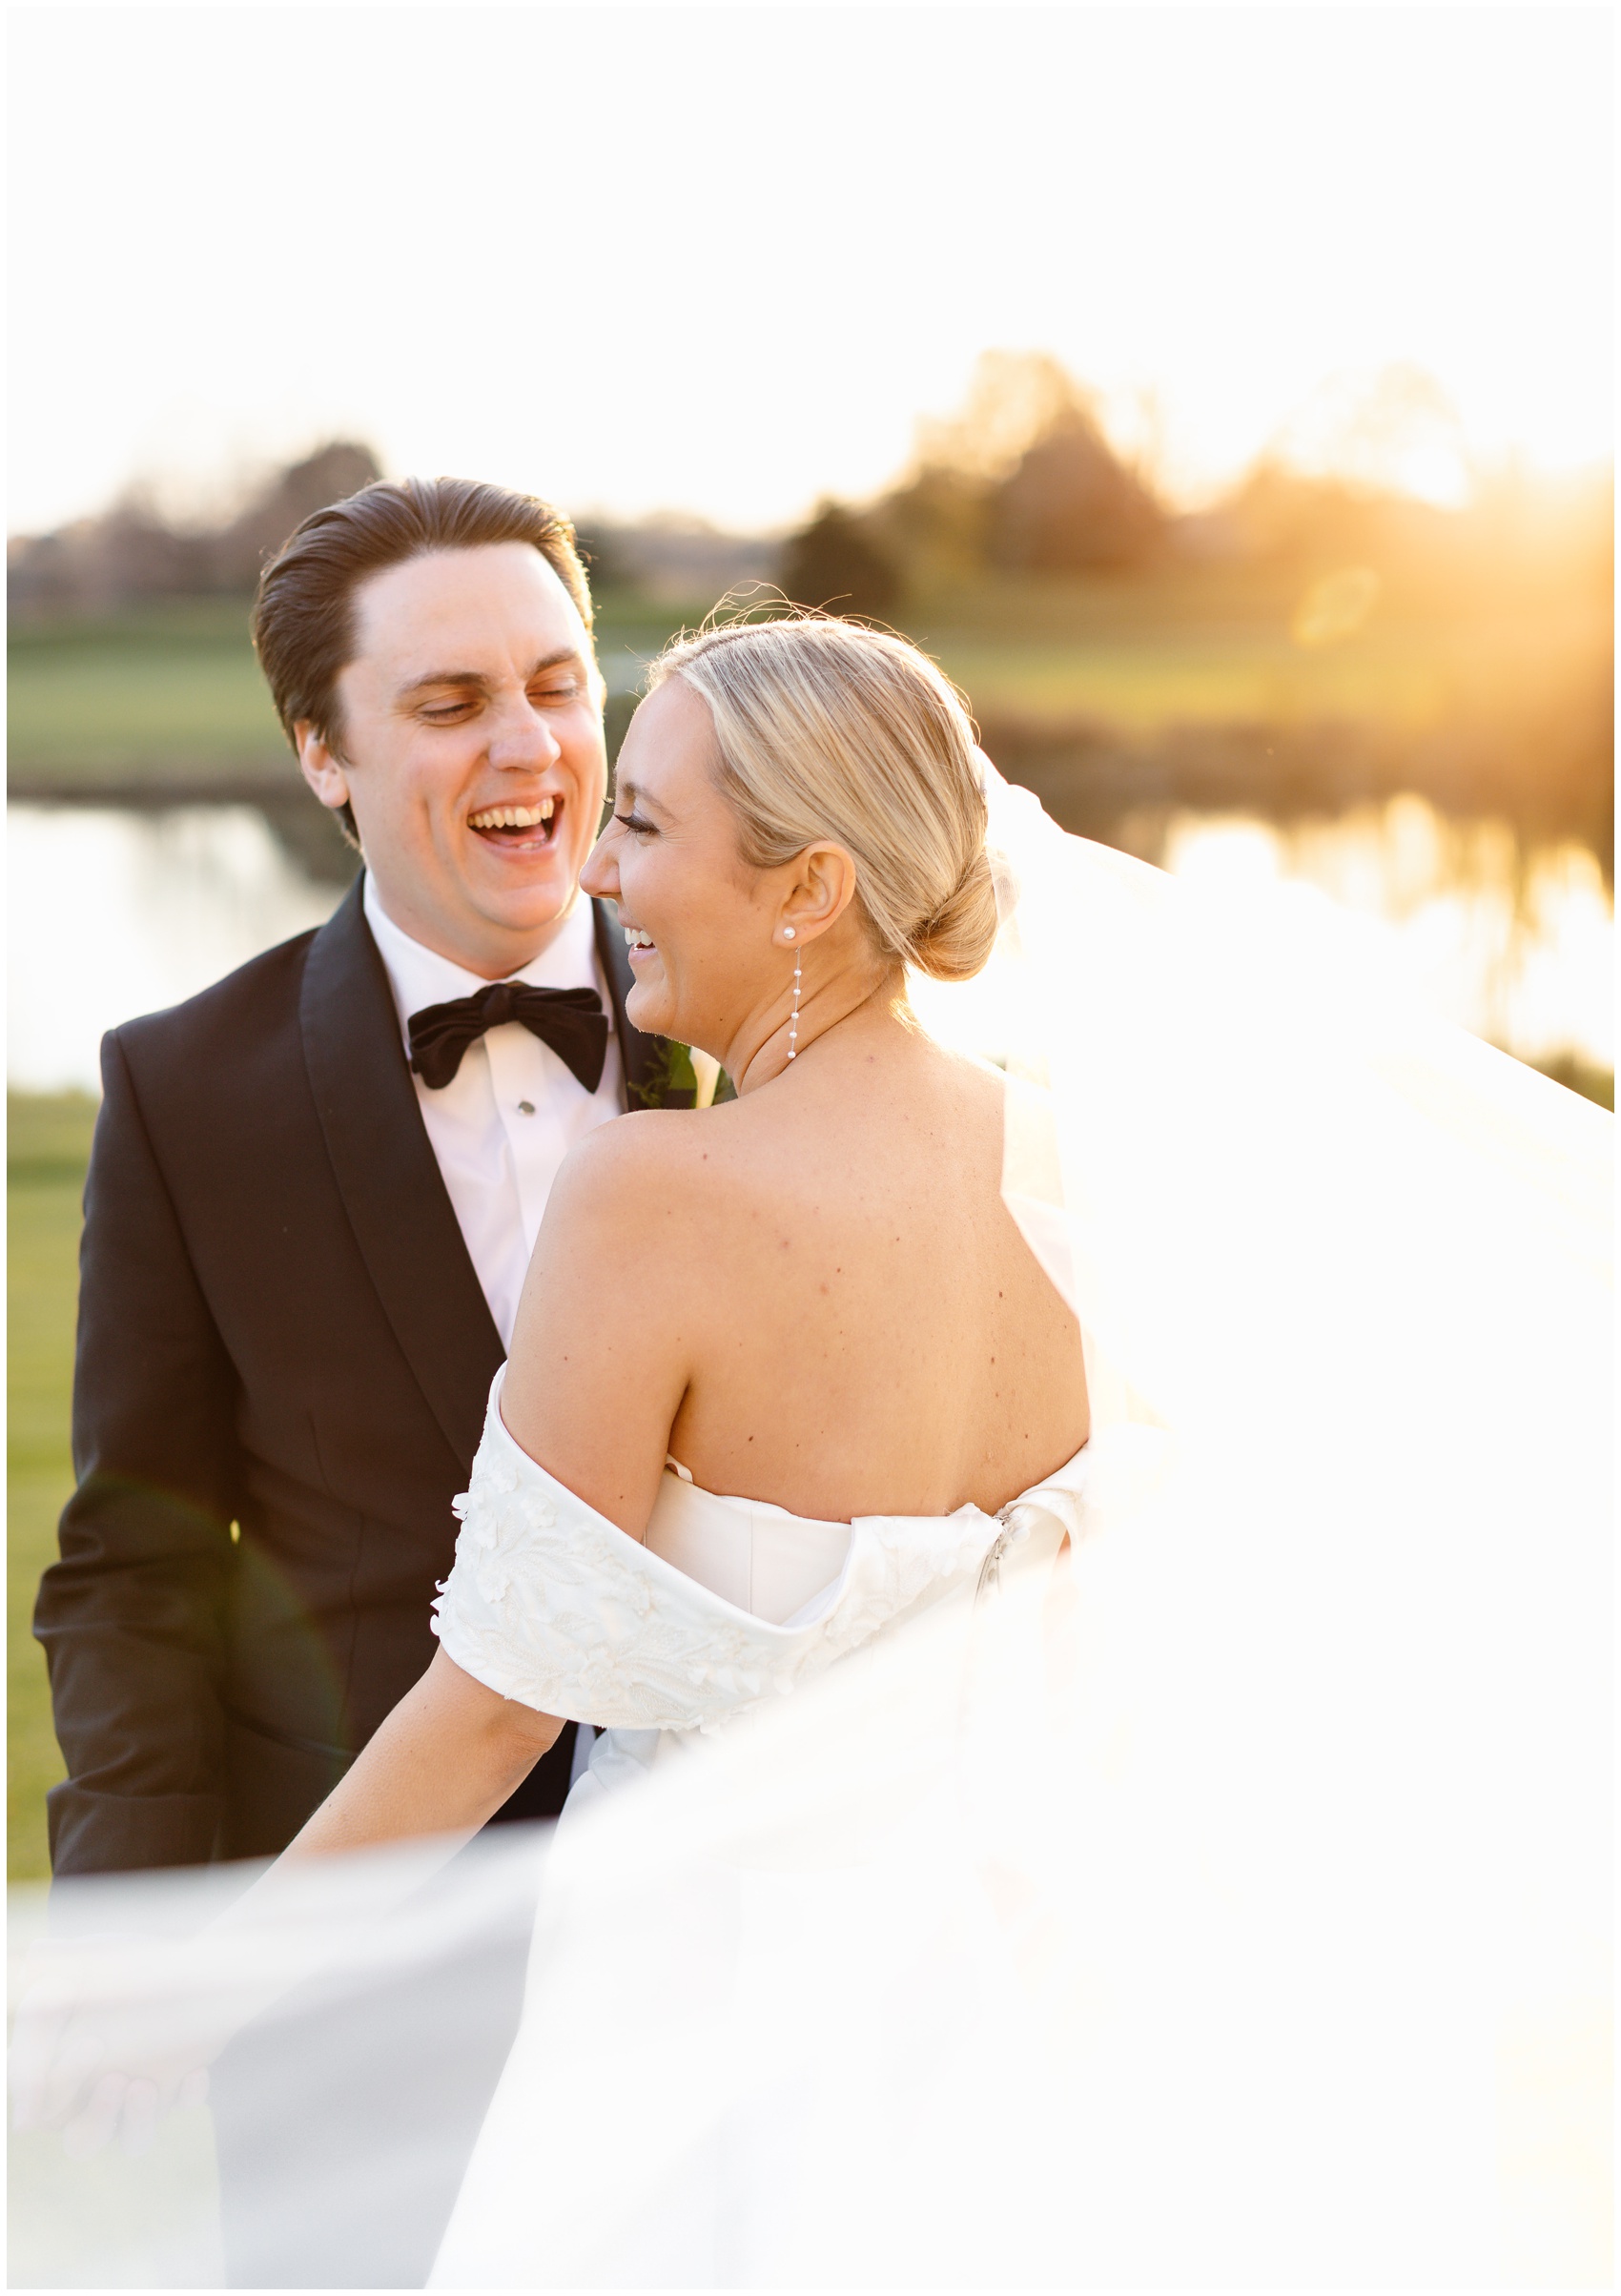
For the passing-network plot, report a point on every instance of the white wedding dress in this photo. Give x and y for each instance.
(726, 1606)
(1231, 1909)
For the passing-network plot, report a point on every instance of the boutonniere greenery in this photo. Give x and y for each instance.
(680, 1078)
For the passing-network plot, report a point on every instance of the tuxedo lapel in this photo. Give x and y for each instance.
(643, 1059)
(388, 1178)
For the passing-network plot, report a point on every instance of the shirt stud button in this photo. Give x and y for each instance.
(525, 1108)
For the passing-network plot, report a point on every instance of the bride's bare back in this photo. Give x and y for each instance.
(905, 1353)
(813, 1295)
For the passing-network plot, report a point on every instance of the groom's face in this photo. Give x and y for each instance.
(469, 744)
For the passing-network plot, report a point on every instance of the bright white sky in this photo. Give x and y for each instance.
(722, 258)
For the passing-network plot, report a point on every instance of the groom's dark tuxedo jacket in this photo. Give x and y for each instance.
(283, 1361)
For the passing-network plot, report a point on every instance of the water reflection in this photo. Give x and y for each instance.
(1517, 946)
(115, 912)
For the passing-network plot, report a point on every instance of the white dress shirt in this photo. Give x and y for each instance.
(502, 1125)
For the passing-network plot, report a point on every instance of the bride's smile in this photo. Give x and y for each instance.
(713, 935)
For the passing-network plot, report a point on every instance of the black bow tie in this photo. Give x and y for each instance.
(570, 1020)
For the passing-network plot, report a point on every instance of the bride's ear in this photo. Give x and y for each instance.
(821, 887)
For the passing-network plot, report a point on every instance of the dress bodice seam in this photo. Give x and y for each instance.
(550, 1603)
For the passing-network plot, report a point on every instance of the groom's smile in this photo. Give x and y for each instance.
(519, 828)
(469, 746)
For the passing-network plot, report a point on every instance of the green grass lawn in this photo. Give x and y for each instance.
(48, 1148)
(171, 693)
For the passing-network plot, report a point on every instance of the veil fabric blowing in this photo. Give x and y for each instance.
(1232, 1908)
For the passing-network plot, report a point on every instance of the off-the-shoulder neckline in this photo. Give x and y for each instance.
(1060, 1479)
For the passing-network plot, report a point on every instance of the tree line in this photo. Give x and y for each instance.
(1025, 484)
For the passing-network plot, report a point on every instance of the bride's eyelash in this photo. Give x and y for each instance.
(634, 823)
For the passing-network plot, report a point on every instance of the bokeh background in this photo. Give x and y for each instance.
(1221, 396)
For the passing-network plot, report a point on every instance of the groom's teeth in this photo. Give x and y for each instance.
(513, 816)
(637, 938)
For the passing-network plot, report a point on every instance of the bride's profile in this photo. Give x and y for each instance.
(749, 1328)
(1164, 1462)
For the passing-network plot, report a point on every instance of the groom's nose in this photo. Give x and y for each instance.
(521, 739)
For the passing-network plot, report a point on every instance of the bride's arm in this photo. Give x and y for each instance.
(620, 1286)
(596, 1375)
(443, 1761)
(595, 1378)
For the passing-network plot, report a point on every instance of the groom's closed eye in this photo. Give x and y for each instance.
(559, 685)
(455, 706)
(447, 696)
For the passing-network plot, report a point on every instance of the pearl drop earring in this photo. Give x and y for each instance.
(793, 1016)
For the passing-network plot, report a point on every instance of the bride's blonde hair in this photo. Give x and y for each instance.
(826, 729)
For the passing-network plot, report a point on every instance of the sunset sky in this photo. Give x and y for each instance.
(723, 260)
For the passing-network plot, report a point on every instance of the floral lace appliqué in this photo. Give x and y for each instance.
(551, 1604)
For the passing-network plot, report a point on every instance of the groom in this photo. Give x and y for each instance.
(315, 1187)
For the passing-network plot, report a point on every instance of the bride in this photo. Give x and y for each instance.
(749, 1328)
(1169, 1470)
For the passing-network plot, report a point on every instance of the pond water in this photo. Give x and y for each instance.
(115, 912)
(1516, 945)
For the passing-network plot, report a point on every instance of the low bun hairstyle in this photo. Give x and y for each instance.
(826, 729)
(955, 943)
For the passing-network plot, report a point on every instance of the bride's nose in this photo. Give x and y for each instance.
(600, 876)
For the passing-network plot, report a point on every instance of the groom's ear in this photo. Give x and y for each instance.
(320, 767)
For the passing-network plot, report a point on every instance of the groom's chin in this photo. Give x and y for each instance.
(531, 903)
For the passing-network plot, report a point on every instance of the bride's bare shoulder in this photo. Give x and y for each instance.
(689, 1172)
(651, 1163)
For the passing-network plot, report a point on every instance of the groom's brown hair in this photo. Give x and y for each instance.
(304, 614)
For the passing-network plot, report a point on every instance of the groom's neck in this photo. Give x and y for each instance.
(486, 946)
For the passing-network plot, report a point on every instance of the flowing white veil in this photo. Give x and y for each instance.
(1236, 1911)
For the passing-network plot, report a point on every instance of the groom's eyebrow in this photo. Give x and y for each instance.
(563, 655)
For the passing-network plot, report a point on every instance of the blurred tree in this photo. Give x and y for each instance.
(837, 562)
(132, 552)
(607, 565)
(1072, 505)
(1277, 516)
(97, 564)
(935, 524)
(1014, 399)
(1023, 480)
(338, 469)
